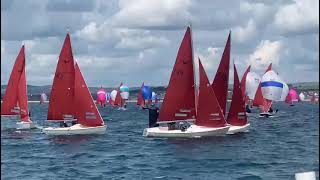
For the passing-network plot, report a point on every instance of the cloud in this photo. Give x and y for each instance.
(155, 13)
(243, 34)
(135, 41)
(266, 52)
(302, 16)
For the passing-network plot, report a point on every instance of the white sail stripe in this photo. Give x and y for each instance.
(181, 115)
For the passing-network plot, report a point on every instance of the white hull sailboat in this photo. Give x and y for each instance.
(238, 129)
(193, 131)
(209, 120)
(71, 100)
(15, 101)
(237, 118)
(74, 130)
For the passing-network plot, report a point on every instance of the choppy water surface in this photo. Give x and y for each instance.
(275, 148)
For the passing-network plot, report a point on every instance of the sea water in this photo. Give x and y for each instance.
(274, 148)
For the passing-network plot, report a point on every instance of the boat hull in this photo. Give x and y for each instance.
(193, 131)
(238, 129)
(74, 130)
(25, 125)
(266, 115)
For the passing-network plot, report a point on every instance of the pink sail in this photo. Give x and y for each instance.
(237, 113)
(140, 100)
(179, 100)
(209, 112)
(62, 92)
(10, 99)
(292, 96)
(101, 96)
(221, 79)
(86, 111)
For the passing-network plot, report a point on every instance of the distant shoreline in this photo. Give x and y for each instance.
(131, 101)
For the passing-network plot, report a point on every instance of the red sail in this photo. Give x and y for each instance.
(86, 111)
(10, 98)
(243, 84)
(62, 92)
(237, 112)
(23, 97)
(118, 100)
(221, 80)
(258, 98)
(209, 112)
(140, 101)
(179, 100)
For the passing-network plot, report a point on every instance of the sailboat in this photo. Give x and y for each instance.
(221, 79)
(272, 87)
(118, 99)
(15, 100)
(261, 102)
(43, 98)
(179, 101)
(71, 99)
(140, 101)
(291, 97)
(237, 118)
(301, 97)
(101, 97)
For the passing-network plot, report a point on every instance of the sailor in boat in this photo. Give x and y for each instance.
(63, 124)
(248, 110)
(153, 115)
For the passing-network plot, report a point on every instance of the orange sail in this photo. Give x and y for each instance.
(179, 100)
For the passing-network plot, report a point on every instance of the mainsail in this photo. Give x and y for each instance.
(10, 99)
(179, 100)
(221, 79)
(61, 105)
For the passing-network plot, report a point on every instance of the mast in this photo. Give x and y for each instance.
(194, 72)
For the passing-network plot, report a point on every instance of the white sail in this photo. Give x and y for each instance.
(252, 83)
(271, 86)
(124, 92)
(285, 91)
(43, 97)
(301, 96)
(113, 94)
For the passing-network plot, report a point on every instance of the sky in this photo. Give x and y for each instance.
(135, 41)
